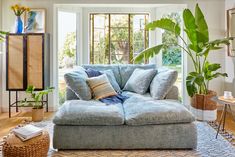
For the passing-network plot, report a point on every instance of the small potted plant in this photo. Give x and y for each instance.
(36, 102)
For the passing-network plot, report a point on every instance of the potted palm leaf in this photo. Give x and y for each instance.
(35, 101)
(198, 47)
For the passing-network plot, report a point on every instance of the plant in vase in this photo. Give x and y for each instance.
(18, 11)
(198, 48)
(36, 102)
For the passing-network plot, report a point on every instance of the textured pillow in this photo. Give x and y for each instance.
(76, 81)
(140, 80)
(101, 87)
(112, 79)
(162, 83)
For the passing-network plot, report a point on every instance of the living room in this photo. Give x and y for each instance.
(117, 78)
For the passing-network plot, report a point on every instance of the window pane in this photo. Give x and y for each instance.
(140, 35)
(66, 47)
(116, 38)
(171, 56)
(119, 20)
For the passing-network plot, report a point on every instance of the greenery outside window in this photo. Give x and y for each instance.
(117, 38)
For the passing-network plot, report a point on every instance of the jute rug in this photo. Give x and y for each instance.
(208, 146)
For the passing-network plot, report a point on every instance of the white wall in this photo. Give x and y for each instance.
(213, 9)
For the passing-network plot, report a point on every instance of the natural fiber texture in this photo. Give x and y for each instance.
(36, 147)
(208, 146)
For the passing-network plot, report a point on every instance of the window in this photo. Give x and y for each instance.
(117, 38)
(172, 55)
(66, 48)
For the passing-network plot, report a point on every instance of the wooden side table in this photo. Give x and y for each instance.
(227, 107)
(35, 147)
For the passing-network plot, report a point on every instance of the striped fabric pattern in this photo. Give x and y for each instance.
(101, 87)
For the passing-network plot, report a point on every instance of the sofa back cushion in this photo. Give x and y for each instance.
(140, 80)
(126, 71)
(99, 67)
(76, 82)
(162, 83)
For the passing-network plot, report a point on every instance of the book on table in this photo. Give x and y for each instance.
(27, 132)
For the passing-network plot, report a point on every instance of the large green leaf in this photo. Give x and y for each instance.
(191, 87)
(166, 24)
(191, 30)
(148, 53)
(202, 28)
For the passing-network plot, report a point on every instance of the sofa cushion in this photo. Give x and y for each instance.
(76, 82)
(140, 110)
(99, 67)
(101, 87)
(112, 79)
(79, 112)
(140, 80)
(162, 83)
(127, 69)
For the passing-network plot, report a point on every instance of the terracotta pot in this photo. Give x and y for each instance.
(203, 107)
(204, 102)
(37, 115)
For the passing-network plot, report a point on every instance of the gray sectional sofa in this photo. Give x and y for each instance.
(141, 122)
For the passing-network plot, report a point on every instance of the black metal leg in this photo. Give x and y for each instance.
(221, 118)
(9, 104)
(16, 101)
(47, 102)
(225, 112)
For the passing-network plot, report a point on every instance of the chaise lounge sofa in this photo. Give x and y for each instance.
(141, 122)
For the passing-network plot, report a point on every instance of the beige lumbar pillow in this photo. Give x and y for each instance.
(101, 87)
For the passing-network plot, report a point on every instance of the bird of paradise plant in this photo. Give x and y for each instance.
(198, 48)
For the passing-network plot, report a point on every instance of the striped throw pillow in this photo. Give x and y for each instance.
(101, 87)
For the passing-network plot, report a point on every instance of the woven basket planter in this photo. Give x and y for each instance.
(36, 147)
(203, 107)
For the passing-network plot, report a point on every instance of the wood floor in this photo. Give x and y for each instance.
(6, 124)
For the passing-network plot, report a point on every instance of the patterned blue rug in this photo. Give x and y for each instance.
(208, 146)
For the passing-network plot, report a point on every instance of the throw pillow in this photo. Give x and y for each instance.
(93, 73)
(101, 87)
(112, 79)
(162, 83)
(140, 80)
(76, 81)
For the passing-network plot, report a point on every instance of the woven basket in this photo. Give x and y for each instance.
(36, 147)
(204, 102)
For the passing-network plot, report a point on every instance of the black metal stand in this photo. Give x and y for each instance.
(16, 103)
(223, 118)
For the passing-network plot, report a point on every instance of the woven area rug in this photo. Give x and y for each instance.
(208, 146)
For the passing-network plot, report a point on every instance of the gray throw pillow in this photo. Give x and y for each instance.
(76, 81)
(140, 80)
(112, 79)
(162, 83)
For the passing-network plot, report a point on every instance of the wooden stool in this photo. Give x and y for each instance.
(35, 147)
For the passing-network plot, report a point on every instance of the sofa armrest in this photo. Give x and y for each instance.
(173, 93)
(70, 95)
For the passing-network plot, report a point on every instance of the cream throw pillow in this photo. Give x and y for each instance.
(101, 87)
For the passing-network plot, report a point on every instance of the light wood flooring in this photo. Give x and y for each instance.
(6, 124)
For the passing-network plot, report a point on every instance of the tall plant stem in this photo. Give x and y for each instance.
(188, 52)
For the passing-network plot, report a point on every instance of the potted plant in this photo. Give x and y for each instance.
(198, 48)
(36, 102)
